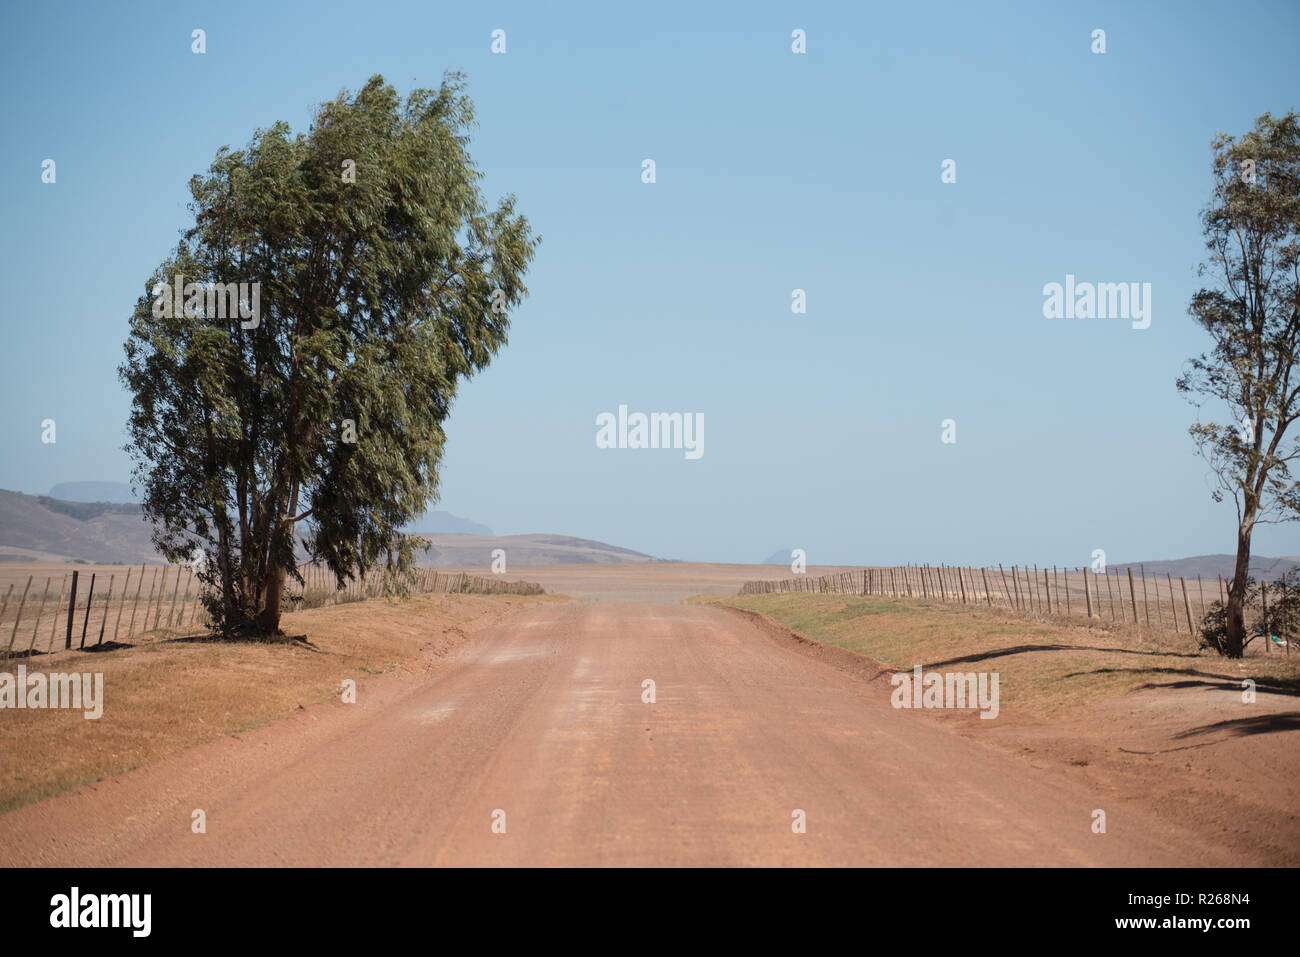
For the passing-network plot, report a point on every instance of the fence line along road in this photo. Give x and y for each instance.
(83, 610)
(1123, 598)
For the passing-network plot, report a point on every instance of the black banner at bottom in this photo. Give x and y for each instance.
(647, 907)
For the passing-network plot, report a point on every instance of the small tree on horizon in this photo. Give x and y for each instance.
(1252, 314)
(384, 280)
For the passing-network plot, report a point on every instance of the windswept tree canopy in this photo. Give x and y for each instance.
(1252, 313)
(376, 279)
(1251, 310)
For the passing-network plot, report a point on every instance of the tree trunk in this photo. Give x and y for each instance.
(268, 619)
(1236, 610)
(225, 568)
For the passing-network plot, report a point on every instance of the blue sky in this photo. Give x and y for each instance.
(775, 171)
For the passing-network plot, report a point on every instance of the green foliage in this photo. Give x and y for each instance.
(1251, 311)
(1281, 617)
(376, 299)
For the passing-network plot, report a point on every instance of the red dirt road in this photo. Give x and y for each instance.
(542, 717)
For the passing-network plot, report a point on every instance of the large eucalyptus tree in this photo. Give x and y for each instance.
(308, 405)
(1251, 311)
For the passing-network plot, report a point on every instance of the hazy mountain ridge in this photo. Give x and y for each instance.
(43, 528)
(46, 528)
(1210, 567)
(116, 492)
(36, 528)
(468, 551)
(443, 523)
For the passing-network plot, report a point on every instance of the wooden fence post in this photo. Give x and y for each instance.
(1146, 609)
(40, 609)
(54, 625)
(1264, 610)
(130, 629)
(1132, 594)
(153, 585)
(126, 587)
(107, 601)
(90, 601)
(176, 590)
(1173, 605)
(72, 606)
(1087, 595)
(189, 577)
(1160, 614)
(162, 597)
(14, 634)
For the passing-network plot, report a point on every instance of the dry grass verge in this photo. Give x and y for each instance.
(1047, 667)
(165, 695)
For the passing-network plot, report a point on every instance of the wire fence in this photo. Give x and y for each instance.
(1163, 604)
(91, 608)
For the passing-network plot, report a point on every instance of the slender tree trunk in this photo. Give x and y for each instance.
(225, 567)
(1236, 611)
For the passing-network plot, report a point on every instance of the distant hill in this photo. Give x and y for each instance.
(476, 550)
(780, 557)
(93, 492)
(1210, 567)
(42, 528)
(440, 522)
(39, 528)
